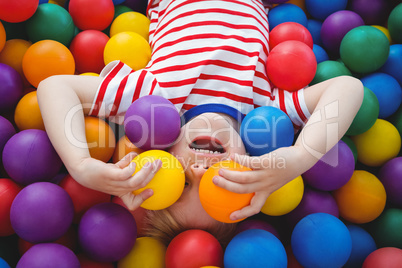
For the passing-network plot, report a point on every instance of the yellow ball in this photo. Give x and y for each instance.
(379, 144)
(168, 182)
(147, 252)
(285, 199)
(131, 22)
(385, 31)
(129, 47)
(90, 74)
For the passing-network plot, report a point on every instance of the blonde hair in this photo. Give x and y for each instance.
(161, 225)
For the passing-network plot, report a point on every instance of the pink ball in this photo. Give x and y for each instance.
(384, 257)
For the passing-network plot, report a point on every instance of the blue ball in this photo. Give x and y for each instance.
(393, 65)
(284, 13)
(314, 27)
(320, 53)
(320, 9)
(255, 248)
(3, 264)
(265, 129)
(387, 90)
(118, 2)
(362, 245)
(321, 240)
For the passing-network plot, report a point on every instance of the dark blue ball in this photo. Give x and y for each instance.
(314, 27)
(393, 65)
(320, 10)
(265, 129)
(320, 53)
(284, 13)
(362, 245)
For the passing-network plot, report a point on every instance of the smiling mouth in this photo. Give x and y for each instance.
(207, 145)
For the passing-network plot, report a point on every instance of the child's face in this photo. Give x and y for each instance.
(205, 140)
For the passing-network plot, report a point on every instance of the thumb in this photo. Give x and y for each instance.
(132, 201)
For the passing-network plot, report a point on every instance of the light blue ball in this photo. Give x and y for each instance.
(362, 245)
(393, 65)
(3, 264)
(266, 129)
(255, 248)
(321, 240)
(284, 13)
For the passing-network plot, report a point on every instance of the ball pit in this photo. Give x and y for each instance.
(17, 11)
(12, 55)
(11, 89)
(100, 15)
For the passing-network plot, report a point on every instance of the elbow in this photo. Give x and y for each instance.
(46, 87)
(353, 88)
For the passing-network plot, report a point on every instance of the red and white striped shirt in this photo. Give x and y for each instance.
(203, 51)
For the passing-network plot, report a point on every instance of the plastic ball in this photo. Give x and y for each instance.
(352, 146)
(11, 89)
(41, 212)
(367, 114)
(390, 175)
(291, 65)
(362, 245)
(131, 22)
(6, 132)
(321, 240)
(139, 215)
(218, 202)
(329, 69)
(46, 58)
(386, 228)
(372, 11)
(194, 248)
(29, 157)
(87, 48)
(364, 49)
(123, 147)
(255, 248)
(107, 232)
(290, 31)
(395, 24)
(274, 1)
(137, 5)
(320, 54)
(87, 262)
(285, 13)
(362, 199)
(248, 224)
(12, 55)
(167, 184)
(83, 198)
(52, 22)
(335, 26)
(266, 129)
(27, 114)
(128, 47)
(100, 16)
(4, 264)
(320, 10)
(314, 27)
(393, 64)
(384, 31)
(379, 144)
(147, 252)
(17, 11)
(2, 36)
(285, 199)
(333, 170)
(384, 257)
(8, 192)
(387, 90)
(152, 122)
(313, 201)
(100, 138)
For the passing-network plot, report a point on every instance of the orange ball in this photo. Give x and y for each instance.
(2, 36)
(27, 113)
(100, 138)
(46, 58)
(219, 203)
(124, 146)
(13, 52)
(362, 199)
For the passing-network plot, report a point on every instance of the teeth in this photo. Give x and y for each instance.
(206, 151)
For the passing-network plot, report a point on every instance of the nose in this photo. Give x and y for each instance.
(198, 170)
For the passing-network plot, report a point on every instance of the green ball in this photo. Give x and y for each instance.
(367, 114)
(386, 229)
(396, 120)
(329, 69)
(395, 24)
(53, 22)
(364, 49)
(351, 145)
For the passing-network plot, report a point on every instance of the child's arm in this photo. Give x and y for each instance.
(64, 100)
(334, 104)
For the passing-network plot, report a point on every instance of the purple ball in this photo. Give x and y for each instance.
(29, 157)
(137, 5)
(48, 255)
(313, 201)
(372, 11)
(333, 170)
(152, 122)
(7, 130)
(391, 177)
(41, 212)
(107, 232)
(256, 224)
(335, 26)
(11, 89)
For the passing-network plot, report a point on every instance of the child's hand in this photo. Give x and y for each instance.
(117, 179)
(269, 173)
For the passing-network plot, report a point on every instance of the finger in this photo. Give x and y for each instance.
(144, 175)
(243, 160)
(234, 186)
(132, 201)
(125, 161)
(254, 208)
(241, 177)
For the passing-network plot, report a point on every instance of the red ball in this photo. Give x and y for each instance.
(17, 11)
(291, 65)
(8, 191)
(91, 14)
(83, 198)
(389, 257)
(290, 31)
(194, 248)
(87, 48)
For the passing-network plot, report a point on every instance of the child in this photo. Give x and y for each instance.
(208, 58)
